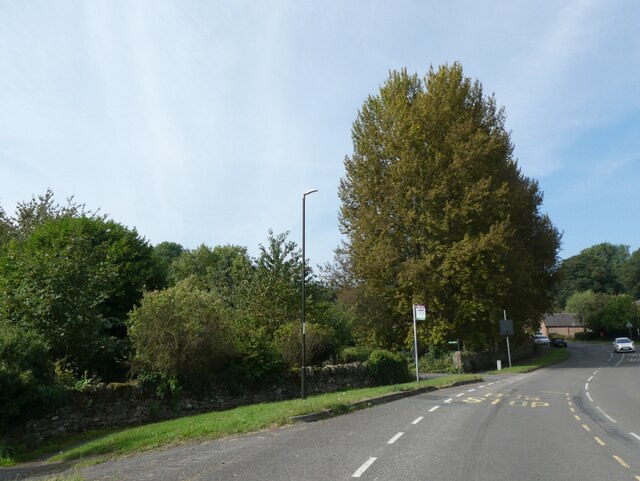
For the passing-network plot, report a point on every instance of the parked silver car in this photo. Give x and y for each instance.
(541, 339)
(624, 344)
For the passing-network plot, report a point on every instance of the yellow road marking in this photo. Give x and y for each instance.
(621, 461)
(572, 410)
(577, 417)
(586, 428)
(599, 441)
(473, 400)
(496, 401)
(537, 404)
(570, 403)
(638, 478)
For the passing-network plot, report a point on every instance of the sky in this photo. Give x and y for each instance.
(205, 121)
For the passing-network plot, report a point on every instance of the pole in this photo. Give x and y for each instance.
(303, 380)
(415, 342)
(304, 326)
(508, 349)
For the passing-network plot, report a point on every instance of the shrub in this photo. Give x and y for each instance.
(181, 332)
(437, 360)
(319, 343)
(388, 367)
(586, 336)
(260, 362)
(354, 354)
(27, 381)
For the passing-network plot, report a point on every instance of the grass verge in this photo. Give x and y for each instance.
(548, 357)
(240, 420)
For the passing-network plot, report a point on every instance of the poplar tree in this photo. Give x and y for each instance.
(435, 210)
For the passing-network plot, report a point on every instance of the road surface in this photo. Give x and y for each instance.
(579, 420)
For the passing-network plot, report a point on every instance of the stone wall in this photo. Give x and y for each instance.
(115, 405)
(477, 361)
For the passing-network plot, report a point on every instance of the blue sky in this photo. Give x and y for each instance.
(203, 122)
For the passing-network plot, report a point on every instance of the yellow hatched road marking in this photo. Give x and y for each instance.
(599, 441)
(621, 461)
(586, 428)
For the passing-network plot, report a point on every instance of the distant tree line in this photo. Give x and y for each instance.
(601, 285)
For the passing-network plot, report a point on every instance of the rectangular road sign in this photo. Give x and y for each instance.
(506, 327)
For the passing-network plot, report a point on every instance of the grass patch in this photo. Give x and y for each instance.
(546, 358)
(215, 425)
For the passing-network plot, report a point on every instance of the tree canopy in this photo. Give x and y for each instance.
(595, 268)
(436, 211)
(73, 280)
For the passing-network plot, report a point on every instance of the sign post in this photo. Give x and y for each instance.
(629, 326)
(419, 314)
(506, 329)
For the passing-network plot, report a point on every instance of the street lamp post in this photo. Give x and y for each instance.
(303, 386)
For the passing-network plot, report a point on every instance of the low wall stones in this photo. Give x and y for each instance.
(477, 361)
(128, 404)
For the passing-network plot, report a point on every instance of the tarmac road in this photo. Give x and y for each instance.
(579, 420)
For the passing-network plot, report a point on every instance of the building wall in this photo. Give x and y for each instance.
(567, 332)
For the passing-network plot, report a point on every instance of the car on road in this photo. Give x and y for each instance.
(624, 344)
(558, 342)
(541, 339)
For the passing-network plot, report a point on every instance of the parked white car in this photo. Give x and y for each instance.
(624, 344)
(541, 339)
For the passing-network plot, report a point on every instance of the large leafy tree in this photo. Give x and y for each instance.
(31, 214)
(164, 254)
(603, 312)
(629, 275)
(593, 269)
(73, 280)
(435, 210)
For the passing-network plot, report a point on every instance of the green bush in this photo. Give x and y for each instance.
(388, 367)
(586, 336)
(182, 332)
(437, 360)
(259, 362)
(354, 354)
(165, 388)
(319, 343)
(27, 380)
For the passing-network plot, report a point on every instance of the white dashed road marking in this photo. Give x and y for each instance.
(418, 420)
(606, 415)
(364, 467)
(433, 408)
(395, 438)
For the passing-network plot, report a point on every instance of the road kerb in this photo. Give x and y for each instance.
(365, 403)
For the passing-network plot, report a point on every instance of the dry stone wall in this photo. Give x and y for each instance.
(115, 405)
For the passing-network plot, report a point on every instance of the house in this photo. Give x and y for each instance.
(565, 324)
